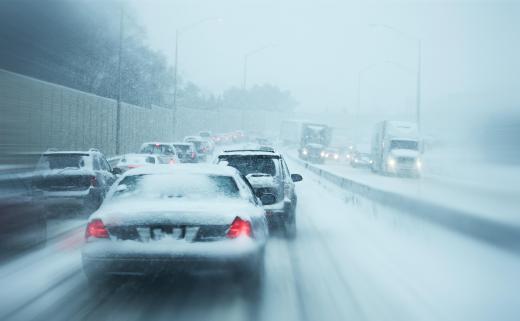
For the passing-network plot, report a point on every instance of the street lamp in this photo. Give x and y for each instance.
(119, 88)
(178, 33)
(417, 41)
(246, 60)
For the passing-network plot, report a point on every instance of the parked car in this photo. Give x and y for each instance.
(130, 161)
(23, 221)
(268, 172)
(186, 152)
(78, 179)
(166, 151)
(178, 219)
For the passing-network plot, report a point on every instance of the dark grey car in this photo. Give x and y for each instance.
(268, 173)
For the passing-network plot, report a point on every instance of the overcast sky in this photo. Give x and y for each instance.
(470, 48)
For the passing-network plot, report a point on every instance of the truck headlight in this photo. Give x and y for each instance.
(418, 164)
(391, 162)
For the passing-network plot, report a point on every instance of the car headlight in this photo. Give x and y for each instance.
(336, 156)
(391, 162)
(322, 154)
(418, 164)
(305, 151)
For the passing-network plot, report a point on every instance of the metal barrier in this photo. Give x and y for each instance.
(498, 234)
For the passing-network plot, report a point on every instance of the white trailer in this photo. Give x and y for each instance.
(396, 148)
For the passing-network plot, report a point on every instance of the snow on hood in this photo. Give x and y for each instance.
(218, 211)
(259, 180)
(404, 153)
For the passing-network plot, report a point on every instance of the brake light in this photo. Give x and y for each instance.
(239, 228)
(171, 162)
(192, 154)
(134, 166)
(96, 229)
(93, 181)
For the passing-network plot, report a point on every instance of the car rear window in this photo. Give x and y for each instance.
(161, 149)
(251, 164)
(182, 148)
(60, 161)
(176, 186)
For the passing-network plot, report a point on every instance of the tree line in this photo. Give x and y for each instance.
(76, 44)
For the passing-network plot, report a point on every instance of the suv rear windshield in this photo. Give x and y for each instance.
(249, 164)
(60, 161)
(182, 148)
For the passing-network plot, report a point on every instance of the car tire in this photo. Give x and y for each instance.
(290, 225)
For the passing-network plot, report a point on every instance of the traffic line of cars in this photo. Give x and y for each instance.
(190, 219)
(152, 214)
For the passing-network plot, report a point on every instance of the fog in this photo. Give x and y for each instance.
(259, 160)
(469, 49)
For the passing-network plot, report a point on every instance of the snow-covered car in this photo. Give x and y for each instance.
(177, 219)
(74, 178)
(186, 152)
(267, 172)
(166, 151)
(131, 161)
(202, 146)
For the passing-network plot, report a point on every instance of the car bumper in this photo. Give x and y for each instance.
(136, 258)
(278, 213)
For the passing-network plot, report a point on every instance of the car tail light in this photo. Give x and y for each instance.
(192, 154)
(134, 166)
(172, 161)
(239, 228)
(96, 229)
(93, 181)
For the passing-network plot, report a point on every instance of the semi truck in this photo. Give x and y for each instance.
(396, 148)
(310, 138)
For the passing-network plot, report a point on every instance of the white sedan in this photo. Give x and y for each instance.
(178, 219)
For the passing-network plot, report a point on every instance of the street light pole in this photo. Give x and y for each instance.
(176, 74)
(119, 87)
(178, 32)
(246, 61)
(418, 95)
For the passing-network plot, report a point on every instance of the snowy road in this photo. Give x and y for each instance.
(352, 260)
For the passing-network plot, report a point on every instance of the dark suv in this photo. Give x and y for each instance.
(74, 178)
(268, 173)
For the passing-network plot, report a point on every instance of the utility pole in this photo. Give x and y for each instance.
(119, 88)
(176, 73)
(418, 95)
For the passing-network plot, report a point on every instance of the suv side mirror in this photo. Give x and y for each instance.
(117, 171)
(267, 199)
(296, 177)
